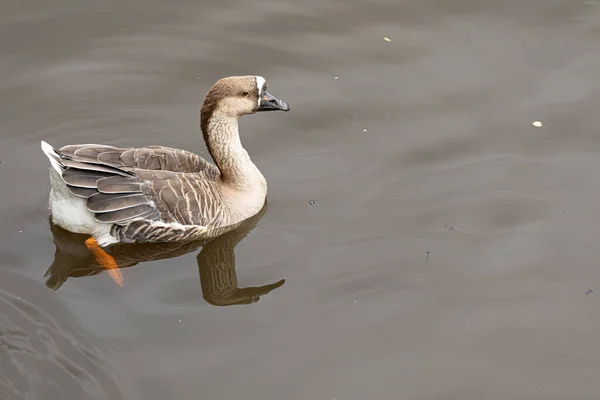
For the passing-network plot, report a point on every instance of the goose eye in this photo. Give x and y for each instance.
(245, 94)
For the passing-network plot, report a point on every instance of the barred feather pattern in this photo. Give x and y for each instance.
(149, 194)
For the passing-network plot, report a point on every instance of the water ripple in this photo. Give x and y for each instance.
(44, 354)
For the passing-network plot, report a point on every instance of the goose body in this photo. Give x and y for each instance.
(162, 194)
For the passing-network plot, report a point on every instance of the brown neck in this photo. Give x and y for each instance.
(223, 142)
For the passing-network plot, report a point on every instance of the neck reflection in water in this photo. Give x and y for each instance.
(216, 262)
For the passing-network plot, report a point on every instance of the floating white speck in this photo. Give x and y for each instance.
(180, 320)
(387, 39)
(336, 77)
(537, 124)
(364, 130)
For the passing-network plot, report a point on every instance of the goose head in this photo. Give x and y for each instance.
(236, 96)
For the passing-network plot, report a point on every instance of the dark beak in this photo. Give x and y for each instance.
(268, 102)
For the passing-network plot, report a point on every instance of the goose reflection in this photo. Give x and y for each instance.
(216, 262)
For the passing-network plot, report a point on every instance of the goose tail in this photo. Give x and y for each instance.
(54, 157)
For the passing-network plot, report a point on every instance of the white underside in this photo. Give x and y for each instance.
(70, 212)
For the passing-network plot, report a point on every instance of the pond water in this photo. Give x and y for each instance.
(422, 240)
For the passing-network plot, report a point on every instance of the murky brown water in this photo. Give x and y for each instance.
(420, 144)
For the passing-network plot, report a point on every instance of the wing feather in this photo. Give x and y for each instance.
(144, 211)
(152, 183)
(103, 202)
(119, 184)
(81, 191)
(83, 178)
(93, 167)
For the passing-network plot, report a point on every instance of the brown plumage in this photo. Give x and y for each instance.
(156, 193)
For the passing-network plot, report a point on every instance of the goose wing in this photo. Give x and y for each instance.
(149, 184)
(156, 158)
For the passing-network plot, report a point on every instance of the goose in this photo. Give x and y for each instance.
(162, 194)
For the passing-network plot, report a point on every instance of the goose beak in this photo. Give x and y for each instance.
(268, 102)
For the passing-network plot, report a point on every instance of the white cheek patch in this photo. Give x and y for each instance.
(260, 82)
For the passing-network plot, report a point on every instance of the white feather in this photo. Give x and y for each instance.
(53, 156)
(70, 212)
(176, 225)
(260, 82)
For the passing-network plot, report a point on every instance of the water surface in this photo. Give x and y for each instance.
(452, 252)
